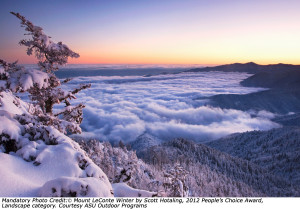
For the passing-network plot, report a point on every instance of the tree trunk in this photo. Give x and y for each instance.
(49, 106)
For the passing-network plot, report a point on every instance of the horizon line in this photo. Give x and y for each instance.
(277, 63)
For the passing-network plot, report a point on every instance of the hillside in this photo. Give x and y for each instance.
(288, 120)
(213, 173)
(120, 165)
(275, 79)
(38, 160)
(282, 101)
(277, 150)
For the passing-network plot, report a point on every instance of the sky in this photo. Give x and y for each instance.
(207, 32)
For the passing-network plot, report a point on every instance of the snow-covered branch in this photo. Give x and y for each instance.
(50, 54)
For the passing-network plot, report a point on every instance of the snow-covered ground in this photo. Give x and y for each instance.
(123, 190)
(38, 160)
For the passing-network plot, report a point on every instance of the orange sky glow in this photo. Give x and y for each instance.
(163, 32)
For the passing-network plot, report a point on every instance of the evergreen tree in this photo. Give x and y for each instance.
(42, 84)
(175, 181)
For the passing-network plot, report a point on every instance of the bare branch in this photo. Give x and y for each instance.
(85, 86)
(67, 80)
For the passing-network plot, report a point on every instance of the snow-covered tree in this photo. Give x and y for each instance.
(175, 181)
(35, 153)
(42, 84)
(123, 166)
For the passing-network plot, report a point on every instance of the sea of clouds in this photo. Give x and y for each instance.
(166, 106)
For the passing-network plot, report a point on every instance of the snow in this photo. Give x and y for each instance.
(23, 179)
(18, 179)
(27, 78)
(69, 186)
(123, 190)
(21, 79)
(12, 104)
(8, 126)
(45, 158)
(2, 71)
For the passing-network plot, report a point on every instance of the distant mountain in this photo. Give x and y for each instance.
(282, 81)
(213, 173)
(250, 67)
(292, 119)
(277, 150)
(280, 101)
(143, 143)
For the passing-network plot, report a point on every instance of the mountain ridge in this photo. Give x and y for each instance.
(282, 83)
(249, 67)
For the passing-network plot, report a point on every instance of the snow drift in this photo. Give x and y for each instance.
(39, 160)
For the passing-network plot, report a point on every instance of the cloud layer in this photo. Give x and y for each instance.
(166, 106)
